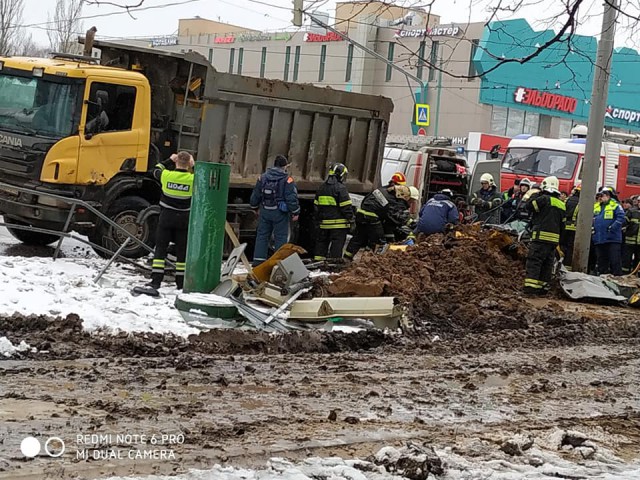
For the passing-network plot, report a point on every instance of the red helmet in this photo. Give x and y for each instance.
(398, 178)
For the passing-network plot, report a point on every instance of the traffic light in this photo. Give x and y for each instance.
(297, 13)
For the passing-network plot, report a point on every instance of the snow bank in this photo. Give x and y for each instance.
(46, 287)
(549, 465)
(8, 349)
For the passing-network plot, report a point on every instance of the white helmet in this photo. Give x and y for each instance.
(551, 184)
(487, 177)
(415, 193)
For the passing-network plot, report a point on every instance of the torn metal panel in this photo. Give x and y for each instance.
(580, 286)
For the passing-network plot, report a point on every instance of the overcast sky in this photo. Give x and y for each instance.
(112, 21)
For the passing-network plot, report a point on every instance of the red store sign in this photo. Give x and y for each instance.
(329, 37)
(228, 39)
(552, 101)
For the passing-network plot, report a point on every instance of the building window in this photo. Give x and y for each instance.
(287, 60)
(511, 122)
(296, 63)
(347, 75)
(531, 123)
(633, 173)
(390, 51)
(515, 122)
(240, 56)
(472, 67)
(211, 55)
(433, 60)
(421, 59)
(564, 128)
(232, 54)
(323, 60)
(263, 61)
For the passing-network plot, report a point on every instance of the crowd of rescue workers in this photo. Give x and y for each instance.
(384, 216)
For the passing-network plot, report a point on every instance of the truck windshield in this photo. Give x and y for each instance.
(537, 162)
(48, 106)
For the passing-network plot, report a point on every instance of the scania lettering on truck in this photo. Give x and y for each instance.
(76, 128)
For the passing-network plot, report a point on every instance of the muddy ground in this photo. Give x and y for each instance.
(240, 398)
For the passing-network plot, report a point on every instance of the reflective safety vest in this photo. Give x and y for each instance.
(548, 220)
(177, 189)
(333, 208)
(572, 213)
(609, 209)
(632, 234)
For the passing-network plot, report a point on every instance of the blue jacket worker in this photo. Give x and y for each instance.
(609, 218)
(437, 212)
(276, 195)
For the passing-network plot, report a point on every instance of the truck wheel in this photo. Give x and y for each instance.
(124, 212)
(30, 238)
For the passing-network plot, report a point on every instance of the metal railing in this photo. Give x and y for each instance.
(64, 233)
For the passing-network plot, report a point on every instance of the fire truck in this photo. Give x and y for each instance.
(538, 157)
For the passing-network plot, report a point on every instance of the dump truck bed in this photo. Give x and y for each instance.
(247, 121)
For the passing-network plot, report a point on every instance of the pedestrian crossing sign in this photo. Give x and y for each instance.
(422, 114)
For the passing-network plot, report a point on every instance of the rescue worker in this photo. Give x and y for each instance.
(176, 178)
(548, 214)
(569, 236)
(333, 214)
(437, 213)
(487, 200)
(276, 197)
(397, 178)
(631, 249)
(387, 204)
(513, 208)
(607, 233)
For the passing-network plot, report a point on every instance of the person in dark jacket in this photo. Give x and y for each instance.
(384, 205)
(487, 200)
(276, 197)
(548, 214)
(333, 214)
(437, 213)
(631, 249)
(608, 221)
(176, 179)
(569, 236)
(513, 208)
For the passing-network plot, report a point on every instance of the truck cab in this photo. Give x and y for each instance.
(72, 128)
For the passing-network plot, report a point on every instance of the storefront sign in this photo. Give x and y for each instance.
(329, 37)
(282, 36)
(436, 31)
(254, 37)
(552, 101)
(164, 41)
(622, 114)
(227, 39)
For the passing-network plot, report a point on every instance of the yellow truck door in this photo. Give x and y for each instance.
(110, 131)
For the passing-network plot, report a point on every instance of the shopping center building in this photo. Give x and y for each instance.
(546, 95)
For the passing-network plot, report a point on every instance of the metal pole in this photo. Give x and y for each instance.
(435, 128)
(207, 227)
(65, 229)
(423, 85)
(115, 255)
(601, 73)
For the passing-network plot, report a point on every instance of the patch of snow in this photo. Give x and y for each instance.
(8, 349)
(43, 286)
(536, 465)
(206, 299)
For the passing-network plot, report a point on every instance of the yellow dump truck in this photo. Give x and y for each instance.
(92, 130)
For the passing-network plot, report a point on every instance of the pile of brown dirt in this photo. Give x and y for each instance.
(464, 280)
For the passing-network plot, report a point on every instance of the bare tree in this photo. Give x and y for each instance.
(10, 19)
(27, 47)
(65, 25)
